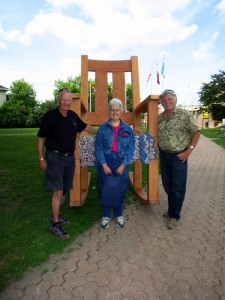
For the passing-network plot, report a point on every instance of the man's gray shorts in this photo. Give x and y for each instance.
(59, 172)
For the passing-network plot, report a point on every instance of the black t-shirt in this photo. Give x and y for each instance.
(59, 131)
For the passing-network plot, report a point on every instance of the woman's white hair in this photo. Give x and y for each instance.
(115, 101)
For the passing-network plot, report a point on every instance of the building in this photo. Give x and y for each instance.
(3, 91)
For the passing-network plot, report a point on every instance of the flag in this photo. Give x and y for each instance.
(92, 86)
(162, 71)
(157, 75)
(149, 76)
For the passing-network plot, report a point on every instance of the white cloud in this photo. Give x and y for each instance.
(120, 24)
(3, 45)
(115, 27)
(14, 36)
(186, 32)
(205, 49)
(67, 67)
(60, 31)
(221, 7)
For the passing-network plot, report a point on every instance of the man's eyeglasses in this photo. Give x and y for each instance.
(64, 89)
(168, 92)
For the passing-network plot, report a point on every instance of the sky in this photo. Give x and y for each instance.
(42, 41)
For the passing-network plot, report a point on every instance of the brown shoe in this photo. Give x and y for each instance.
(173, 224)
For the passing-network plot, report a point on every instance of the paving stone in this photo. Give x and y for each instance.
(55, 277)
(86, 292)
(145, 260)
(37, 292)
(83, 268)
(59, 293)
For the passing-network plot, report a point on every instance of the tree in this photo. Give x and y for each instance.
(212, 95)
(72, 83)
(129, 97)
(13, 115)
(22, 93)
(19, 104)
(37, 113)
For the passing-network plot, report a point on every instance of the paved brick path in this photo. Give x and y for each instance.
(145, 260)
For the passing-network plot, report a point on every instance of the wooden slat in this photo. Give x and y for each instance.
(142, 107)
(109, 66)
(101, 92)
(153, 167)
(75, 198)
(135, 81)
(119, 87)
(84, 79)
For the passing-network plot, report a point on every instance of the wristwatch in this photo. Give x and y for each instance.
(191, 147)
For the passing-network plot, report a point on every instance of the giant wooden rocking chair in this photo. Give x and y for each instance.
(147, 194)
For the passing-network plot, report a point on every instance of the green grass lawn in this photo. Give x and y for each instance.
(25, 207)
(211, 133)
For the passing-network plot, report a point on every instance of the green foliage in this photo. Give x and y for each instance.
(36, 114)
(217, 110)
(129, 97)
(19, 105)
(72, 83)
(13, 115)
(212, 94)
(22, 93)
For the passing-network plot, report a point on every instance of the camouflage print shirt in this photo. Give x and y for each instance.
(176, 133)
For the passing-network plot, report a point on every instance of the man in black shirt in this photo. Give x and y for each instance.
(57, 133)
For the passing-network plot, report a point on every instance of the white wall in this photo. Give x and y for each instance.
(2, 97)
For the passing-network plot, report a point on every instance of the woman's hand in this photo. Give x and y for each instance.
(106, 169)
(137, 132)
(120, 169)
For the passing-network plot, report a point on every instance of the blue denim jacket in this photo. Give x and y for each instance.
(125, 142)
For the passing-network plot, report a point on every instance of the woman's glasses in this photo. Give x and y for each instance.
(115, 110)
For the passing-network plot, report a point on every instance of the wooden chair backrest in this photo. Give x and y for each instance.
(117, 70)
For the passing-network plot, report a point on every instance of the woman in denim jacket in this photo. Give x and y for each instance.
(114, 150)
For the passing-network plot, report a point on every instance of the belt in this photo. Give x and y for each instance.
(60, 152)
(174, 152)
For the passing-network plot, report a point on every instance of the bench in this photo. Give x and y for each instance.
(221, 133)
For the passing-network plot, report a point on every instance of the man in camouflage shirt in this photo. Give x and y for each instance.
(178, 136)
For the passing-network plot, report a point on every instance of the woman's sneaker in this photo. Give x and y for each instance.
(120, 222)
(105, 222)
(58, 230)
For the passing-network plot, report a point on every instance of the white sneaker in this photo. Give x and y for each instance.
(120, 222)
(105, 222)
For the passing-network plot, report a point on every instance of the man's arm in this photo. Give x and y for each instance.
(90, 129)
(194, 140)
(40, 145)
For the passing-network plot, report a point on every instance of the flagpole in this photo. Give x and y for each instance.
(162, 72)
(151, 80)
(151, 86)
(156, 76)
(90, 99)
